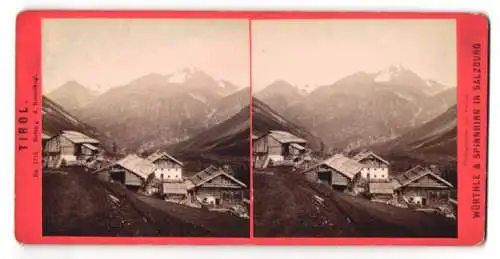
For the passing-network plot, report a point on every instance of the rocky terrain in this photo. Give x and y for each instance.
(362, 109)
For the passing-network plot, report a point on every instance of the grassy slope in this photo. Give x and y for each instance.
(55, 118)
(225, 143)
(285, 205)
(77, 204)
(433, 143)
(264, 118)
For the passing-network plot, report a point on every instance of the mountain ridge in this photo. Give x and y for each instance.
(72, 95)
(161, 109)
(391, 101)
(56, 119)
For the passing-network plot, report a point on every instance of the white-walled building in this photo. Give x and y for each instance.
(374, 167)
(166, 165)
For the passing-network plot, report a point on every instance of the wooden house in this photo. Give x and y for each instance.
(276, 147)
(166, 165)
(132, 171)
(215, 188)
(421, 187)
(69, 147)
(382, 191)
(45, 138)
(254, 157)
(174, 191)
(254, 137)
(375, 167)
(337, 171)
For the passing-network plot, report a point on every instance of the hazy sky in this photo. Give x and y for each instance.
(319, 52)
(112, 52)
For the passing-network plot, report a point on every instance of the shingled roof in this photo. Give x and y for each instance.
(297, 146)
(78, 137)
(414, 174)
(90, 146)
(45, 136)
(157, 155)
(344, 165)
(139, 166)
(207, 174)
(364, 154)
(286, 137)
(340, 163)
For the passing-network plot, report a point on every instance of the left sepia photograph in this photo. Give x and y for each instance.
(146, 127)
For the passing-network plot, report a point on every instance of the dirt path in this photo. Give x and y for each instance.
(76, 203)
(219, 224)
(288, 205)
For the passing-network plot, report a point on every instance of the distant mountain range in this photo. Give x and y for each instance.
(232, 136)
(228, 138)
(431, 144)
(55, 118)
(362, 109)
(280, 95)
(434, 139)
(393, 111)
(264, 119)
(72, 95)
(155, 110)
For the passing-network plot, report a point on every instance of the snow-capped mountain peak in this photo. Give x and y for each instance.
(224, 84)
(429, 82)
(389, 73)
(183, 74)
(306, 88)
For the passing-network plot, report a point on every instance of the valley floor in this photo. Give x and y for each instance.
(287, 205)
(75, 203)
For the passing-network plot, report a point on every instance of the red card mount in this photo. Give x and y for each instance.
(277, 128)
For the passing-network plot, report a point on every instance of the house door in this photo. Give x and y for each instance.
(325, 177)
(118, 176)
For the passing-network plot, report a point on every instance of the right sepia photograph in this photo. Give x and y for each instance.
(354, 128)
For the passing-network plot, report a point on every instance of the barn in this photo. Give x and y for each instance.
(421, 187)
(174, 191)
(132, 171)
(380, 191)
(69, 147)
(216, 188)
(166, 165)
(277, 147)
(337, 171)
